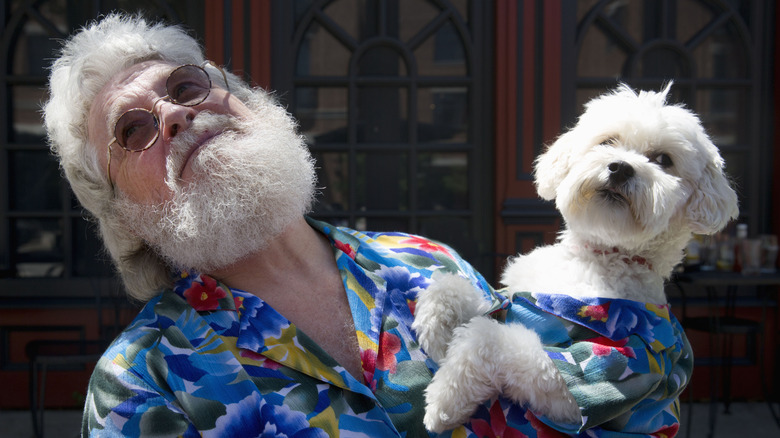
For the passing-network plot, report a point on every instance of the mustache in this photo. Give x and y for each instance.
(204, 127)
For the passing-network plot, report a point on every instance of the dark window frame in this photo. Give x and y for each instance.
(70, 288)
(754, 23)
(475, 31)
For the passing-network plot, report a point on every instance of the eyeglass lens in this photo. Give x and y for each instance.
(138, 128)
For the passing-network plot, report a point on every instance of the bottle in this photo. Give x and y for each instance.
(739, 247)
(725, 260)
(692, 258)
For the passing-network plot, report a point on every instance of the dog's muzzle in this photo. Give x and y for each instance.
(620, 172)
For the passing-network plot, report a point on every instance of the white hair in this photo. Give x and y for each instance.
(87, 61)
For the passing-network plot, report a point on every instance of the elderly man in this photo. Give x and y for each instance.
(258, 320)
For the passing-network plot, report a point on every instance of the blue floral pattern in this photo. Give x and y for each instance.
(625, 362)
(206, 360)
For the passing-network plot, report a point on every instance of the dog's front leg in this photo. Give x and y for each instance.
(448, 303)
(485, 359)
(467, 377)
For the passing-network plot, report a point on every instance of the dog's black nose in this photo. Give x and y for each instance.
(620, 172)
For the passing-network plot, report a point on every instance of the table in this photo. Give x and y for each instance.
(721, 319)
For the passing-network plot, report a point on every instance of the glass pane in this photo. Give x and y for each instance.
(322, 114)
(443, 114)
(452, 231)
(35, 47)
(443, 181)
(724, 115)
(300, 8)
(637, 19)
(27, 123)
(722, 55)
(740, 173)
(37, 247)
(381, 61)
(400, 225)
(34, 178)
(382, 181)
(600, 56)
(583, 96)
(333, 177)
(745, 10)
(321, 54)
(89, 258)
(738, 170)
(442, 54)
(339, 222)
(584, 7)
(663, 63)
(415, 15)
(347, 14)
(382, 115)
(172, 10)
(697, 15)
(461, 6)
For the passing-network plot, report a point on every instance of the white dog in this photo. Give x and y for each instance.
(633, 180)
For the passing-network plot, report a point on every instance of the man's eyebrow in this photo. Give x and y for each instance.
(125, 101)
(114, 112)
(119, 106)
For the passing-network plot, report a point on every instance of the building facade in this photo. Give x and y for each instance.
(424, 116)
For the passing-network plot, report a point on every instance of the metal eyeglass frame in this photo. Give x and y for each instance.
(157, 121)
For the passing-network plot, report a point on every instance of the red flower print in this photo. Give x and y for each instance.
(667, 432)
(542, 430)
(346, 248)
(389, 345)
(238, 302)
(425, 245)
(595, 313)
(497, 427)
(368, 360)
(264, 361)
(204, 296)
(603, 347)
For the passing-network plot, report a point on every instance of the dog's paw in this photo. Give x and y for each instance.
(528, 376)
(564, 410)
(440, 416)
(465, 379)
(544, 391)
(448, 303)
(446, 406)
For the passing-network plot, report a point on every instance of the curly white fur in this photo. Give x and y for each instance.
(633, 180)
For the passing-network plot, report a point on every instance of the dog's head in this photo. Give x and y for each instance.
(633, 167)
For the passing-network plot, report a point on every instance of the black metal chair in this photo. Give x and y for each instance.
(47, 354)
(722, 325)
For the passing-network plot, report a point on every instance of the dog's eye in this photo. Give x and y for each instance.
(662, 160)
(610, 141)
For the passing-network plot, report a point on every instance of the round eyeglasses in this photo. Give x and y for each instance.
(137, 129)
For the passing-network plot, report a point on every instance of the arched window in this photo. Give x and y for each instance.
(46, 244)
(389, 95)
(714, 50)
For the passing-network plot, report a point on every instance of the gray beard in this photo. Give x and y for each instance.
(249, 183)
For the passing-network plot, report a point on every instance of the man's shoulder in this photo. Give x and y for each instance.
(160, 319)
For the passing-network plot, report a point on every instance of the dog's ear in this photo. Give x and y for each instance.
(552, 166)
(713, 203)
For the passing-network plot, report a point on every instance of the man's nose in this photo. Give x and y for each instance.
(174, 118)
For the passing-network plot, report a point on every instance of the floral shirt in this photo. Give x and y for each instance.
(625, 363)
(206, 360)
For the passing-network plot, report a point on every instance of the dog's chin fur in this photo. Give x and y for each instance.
(625, 232)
